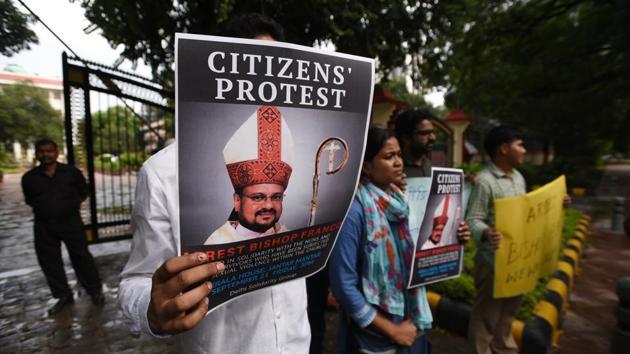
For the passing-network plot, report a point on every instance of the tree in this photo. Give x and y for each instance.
(26, 115)
(400, 33)
(559, 68)
(115, 130)
(399, 89)
(14, 32)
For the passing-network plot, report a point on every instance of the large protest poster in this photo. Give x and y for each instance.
(439, 255)
(531, 225)
(270, 141)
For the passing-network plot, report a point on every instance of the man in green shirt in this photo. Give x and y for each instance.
(490, 327)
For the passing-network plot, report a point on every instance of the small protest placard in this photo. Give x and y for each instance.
(439, 255)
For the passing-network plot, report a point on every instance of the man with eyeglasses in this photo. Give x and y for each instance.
(258, 158)
(416, 135)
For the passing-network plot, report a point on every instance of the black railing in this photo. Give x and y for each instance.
(114, 120)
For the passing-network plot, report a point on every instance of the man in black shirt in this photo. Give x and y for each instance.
(55, 191)
(416, 137)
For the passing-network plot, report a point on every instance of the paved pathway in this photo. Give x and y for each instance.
(615, 181)
(590, 320)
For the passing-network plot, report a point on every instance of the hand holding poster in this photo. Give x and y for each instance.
(270, 139)
(531, 225)
(439, 255)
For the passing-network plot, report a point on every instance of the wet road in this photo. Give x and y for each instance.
(590, 321)
(17, 252)
(24, 296)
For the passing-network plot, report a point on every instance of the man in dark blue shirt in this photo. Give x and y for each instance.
(55, 191)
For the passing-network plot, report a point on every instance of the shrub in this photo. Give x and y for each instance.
(6, 160)
(127, 161)
(133, 160)
(539, 175)
(472, 168)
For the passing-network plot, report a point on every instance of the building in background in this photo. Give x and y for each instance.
(53, 87)
(13, 74)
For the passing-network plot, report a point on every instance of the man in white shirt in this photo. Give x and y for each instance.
(153, 295)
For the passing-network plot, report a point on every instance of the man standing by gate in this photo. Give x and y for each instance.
(55, 191)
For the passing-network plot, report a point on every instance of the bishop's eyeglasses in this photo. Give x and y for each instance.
(260, 197)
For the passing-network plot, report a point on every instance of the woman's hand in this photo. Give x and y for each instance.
(404, 333)
(463, 232)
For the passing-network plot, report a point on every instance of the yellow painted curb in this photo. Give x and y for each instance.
(434, 300)
(562, 289)
(547, 311)
(568, 269)
(555, 336)
(580, 234)
(571, 253)
(517, 331)
(581, 227)
(577, 244)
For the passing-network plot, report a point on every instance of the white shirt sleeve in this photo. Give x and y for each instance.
(274, 318)
(153, 241)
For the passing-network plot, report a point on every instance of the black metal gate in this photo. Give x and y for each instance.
(113, 122)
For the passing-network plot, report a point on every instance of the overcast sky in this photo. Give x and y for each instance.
(68, 21)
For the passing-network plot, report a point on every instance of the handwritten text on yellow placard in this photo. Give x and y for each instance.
(531, 225)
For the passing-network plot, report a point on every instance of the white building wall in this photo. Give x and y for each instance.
(54, 90)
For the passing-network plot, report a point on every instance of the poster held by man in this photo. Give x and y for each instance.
(439, 255)
(270, 140)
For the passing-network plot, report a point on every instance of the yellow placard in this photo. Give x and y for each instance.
(531, 225)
